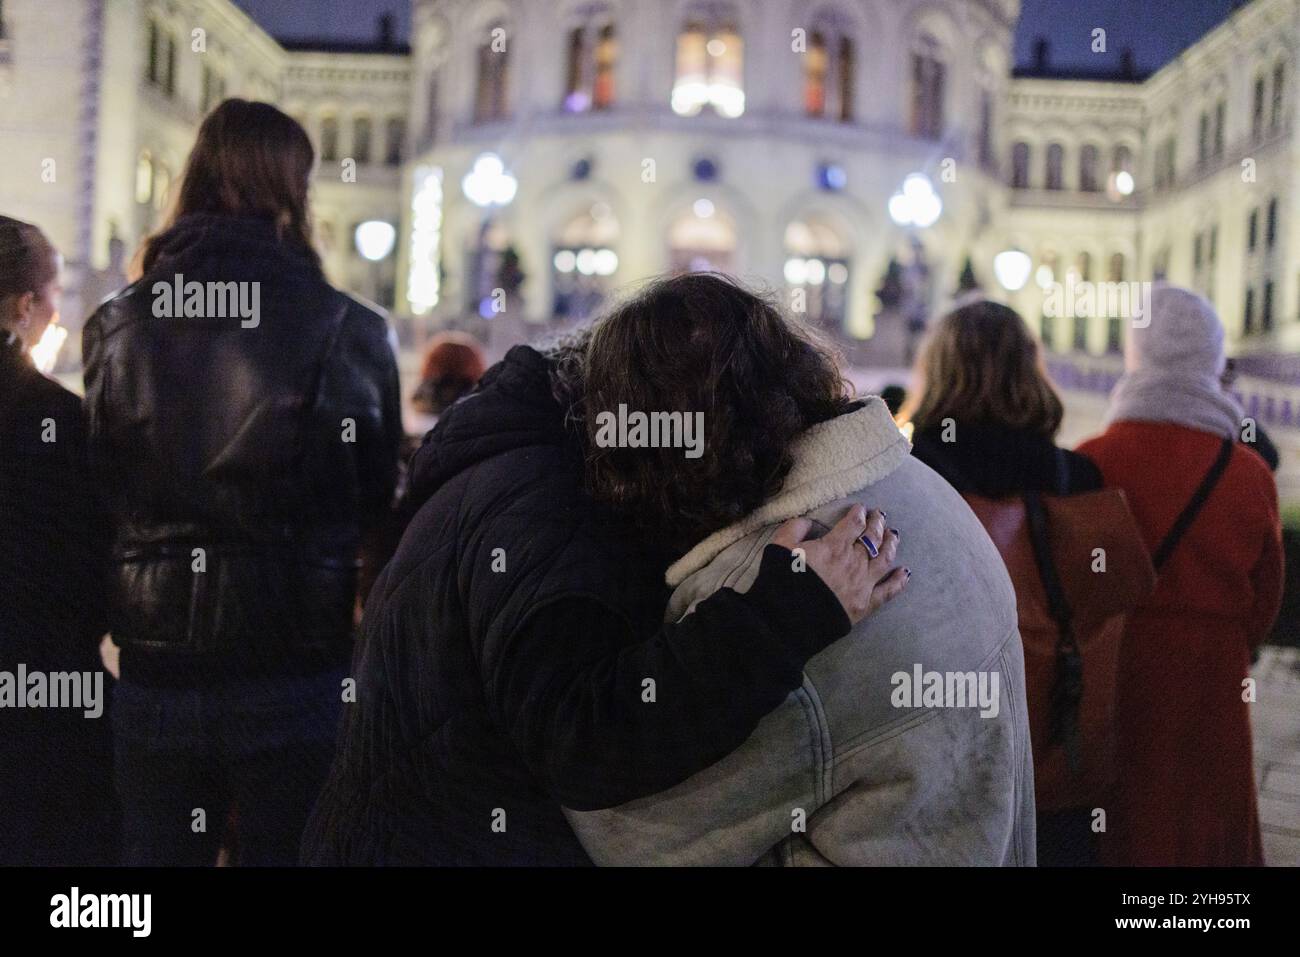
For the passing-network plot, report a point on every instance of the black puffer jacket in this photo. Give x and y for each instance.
(513, 656)
(242, 459)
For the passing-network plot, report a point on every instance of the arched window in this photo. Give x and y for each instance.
(160, 59)
(929, 73)
(394, 141)
(153, 55)
(169, 65)
(1121, 160)
(1083, 266)
(816, 68)
(329, 140)
(817, 271)
(361, 139)
(828, 69)
(431, 113)
(984, 148)
(490, 95)
(1115, 324)
(602, 89)
(592, 56)
(1279, 93)
(710, 63)
(1257, 110)
(702, 239)
(1020, 159)
(584, 259)
(1055, 178)
(1220, 124)
(1089, 159)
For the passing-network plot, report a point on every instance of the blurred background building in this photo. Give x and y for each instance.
(520, 162)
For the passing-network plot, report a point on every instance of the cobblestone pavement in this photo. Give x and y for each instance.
(1276, 723)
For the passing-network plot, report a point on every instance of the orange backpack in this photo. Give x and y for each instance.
(1079, 566)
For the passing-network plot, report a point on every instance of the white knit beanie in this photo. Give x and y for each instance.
(1184, 336)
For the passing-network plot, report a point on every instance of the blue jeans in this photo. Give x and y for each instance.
(186, 758)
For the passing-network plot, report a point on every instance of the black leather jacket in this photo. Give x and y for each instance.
(242, 461)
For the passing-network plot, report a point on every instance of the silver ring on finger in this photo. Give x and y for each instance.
(869, 545)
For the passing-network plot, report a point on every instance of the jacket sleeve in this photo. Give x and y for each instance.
(379, 465)
(602, 718)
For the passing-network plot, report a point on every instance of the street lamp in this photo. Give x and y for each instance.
(374, 240)
(917, 204)
(488, 183)
(1012, 267)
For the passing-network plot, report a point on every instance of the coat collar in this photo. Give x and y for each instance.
(833, 459)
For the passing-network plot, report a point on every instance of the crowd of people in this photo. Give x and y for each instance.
(514, 642)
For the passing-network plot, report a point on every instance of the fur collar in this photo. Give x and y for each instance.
(833, 459)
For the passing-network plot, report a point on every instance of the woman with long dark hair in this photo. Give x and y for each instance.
(244, 418)
(55, 769)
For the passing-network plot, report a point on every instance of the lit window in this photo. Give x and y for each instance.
(817, 272)
(592, 58)
(700, 243)
(583, 261)
(710, 67)
(828, 71)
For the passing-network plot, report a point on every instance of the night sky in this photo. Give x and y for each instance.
(1156, 29)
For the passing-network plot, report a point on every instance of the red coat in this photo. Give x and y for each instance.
(1186, 791)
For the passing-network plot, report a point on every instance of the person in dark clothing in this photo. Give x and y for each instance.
(1260, 441)
(985, 417)
(56, 796)
(514, 657)
(244, 419)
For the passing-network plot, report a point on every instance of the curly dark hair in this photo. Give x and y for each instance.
(698, 342)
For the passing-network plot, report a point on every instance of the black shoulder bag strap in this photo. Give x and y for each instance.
(1188, 515)
(1067, 689)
